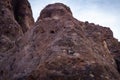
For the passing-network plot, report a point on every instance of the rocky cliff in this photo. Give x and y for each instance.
(57, 47)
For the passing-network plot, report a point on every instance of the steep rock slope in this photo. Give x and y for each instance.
(59, 47)
(99, 33)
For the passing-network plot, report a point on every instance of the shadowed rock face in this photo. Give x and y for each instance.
(10, 30)
(15, 19)
(59, 47)
(19, 10)
(23, 14)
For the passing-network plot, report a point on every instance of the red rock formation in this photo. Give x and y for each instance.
(59, 47)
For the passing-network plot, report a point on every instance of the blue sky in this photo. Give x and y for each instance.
(102, 12)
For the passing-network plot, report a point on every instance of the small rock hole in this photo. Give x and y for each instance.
(7, 32)
(1, 72)
(2, 12)
(52, 32)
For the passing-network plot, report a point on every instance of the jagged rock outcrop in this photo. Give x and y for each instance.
(11, 29)
(15, 18)
(55, 11)
(59, 47)
(23, 14)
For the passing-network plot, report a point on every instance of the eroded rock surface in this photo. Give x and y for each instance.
(12, 30)
(15, 19)
(59, 47)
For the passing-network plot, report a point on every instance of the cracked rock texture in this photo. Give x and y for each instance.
(57, 47)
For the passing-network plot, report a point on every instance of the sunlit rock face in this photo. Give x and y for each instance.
(59, 47)
(55, 11)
